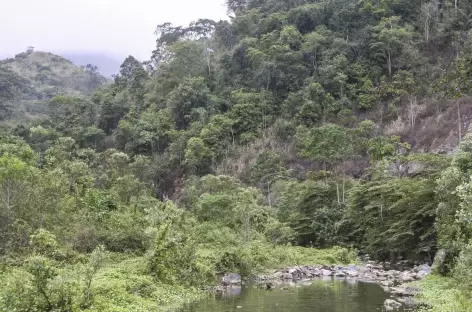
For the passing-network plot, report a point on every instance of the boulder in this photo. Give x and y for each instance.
(352, 273)
(316, 272)
(386, 283)
(423, 267)
(293, 270)
(340, 274)
(404, 291)
(439, 264)
(392, 305)
(421, 274)
(326, 272)
(287, 276)
(231, 279)
(278, 275)
(408, 276)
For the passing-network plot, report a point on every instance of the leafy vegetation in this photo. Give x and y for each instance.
(240, 145)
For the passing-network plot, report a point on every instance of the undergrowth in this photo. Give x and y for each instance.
(443, 294)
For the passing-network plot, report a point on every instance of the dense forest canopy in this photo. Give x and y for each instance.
(314, 123)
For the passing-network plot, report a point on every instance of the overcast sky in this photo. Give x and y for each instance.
(116, 27)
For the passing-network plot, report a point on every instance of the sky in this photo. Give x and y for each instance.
(115, 27)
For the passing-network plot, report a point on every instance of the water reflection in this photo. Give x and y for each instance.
(321, 295)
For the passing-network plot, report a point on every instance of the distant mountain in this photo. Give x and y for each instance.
(107, 65)
(41, 76)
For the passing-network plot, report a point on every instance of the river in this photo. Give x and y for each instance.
(321, 295)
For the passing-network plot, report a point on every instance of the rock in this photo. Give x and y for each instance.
(374, 266)
(392, 305)
(352, 273)
(340, 274)
(421, 274)
(404, 291)
(386, 283)
(408, 276)
(231, 279)
(287, 276)
(393, 273)
(278, 275)
(326, 272)
(423, 267)
(439, 264)
(316, 272)
(293, 271)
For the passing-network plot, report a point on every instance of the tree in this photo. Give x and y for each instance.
(198, 157)
(236, 6)
(185, 100)
(329, 144)
(15, 179)
(312, 212)
(390, 37)
(11, 86)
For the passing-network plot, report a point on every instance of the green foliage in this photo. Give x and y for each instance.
(443, 294)
(328, 143)
(393, 216)
(43, 242)
(312, 212)
(278, 96)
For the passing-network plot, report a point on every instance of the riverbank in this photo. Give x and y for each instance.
(395, 278)
(125, 283)
(442, 294)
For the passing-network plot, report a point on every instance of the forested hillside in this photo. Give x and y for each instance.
(30, 79)
(314, 123)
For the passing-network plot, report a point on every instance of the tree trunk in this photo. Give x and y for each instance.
(440, 10)
(337, 192)
(389, 63)
(268, 194)
(459, 119)
(344, 185)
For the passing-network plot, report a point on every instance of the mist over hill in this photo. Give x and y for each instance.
(31, 79)
(107, 65)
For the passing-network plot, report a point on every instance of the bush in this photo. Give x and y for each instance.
(463, 269)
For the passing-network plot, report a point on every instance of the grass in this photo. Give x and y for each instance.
(123, 283)
(125, 286)
(443, 294)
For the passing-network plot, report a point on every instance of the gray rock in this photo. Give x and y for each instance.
(340, 274)
(386, 283)
(393, 273)
(439, 264)
(316, 272)
(404, 291)
(421, 274)
(278, 275)
(326, 272)
(293, 271)
(423, 267)
(231, 279)
(408, 276)
(287, 276)
(352, 273)
(392, 305)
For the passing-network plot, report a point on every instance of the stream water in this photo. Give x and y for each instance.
(322, 295)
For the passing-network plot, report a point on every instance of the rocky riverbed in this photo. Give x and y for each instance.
(393, 278)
